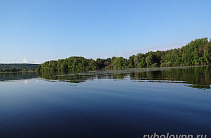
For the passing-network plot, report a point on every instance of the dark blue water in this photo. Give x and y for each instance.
(102, 106)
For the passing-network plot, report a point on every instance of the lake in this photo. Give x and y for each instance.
(106, 104)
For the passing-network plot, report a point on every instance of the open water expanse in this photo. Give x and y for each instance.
(106, 104)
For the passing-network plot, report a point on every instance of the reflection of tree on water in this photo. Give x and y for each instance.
(66, 76)
(78, 77)
(197, 77)
(17, 76)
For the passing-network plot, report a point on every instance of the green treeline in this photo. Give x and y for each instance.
(18, 67)
(197, 52)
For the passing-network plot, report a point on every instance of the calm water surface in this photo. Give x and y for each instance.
(106, 104)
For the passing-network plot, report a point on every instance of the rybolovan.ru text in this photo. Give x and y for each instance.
(174, 136)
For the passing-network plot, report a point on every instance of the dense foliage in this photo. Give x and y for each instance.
(18, 67)
(197, 52)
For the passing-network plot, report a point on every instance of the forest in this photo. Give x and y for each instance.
(197, 52)
(18, 67)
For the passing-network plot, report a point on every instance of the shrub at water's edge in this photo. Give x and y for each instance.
(197, 52)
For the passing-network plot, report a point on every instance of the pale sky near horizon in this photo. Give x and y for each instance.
(40, 30)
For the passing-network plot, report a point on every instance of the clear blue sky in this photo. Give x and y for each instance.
(38, 30)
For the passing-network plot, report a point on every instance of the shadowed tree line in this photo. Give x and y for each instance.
(197, 52)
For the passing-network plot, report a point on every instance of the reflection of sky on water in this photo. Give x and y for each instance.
(26, 81)
(125, 105)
